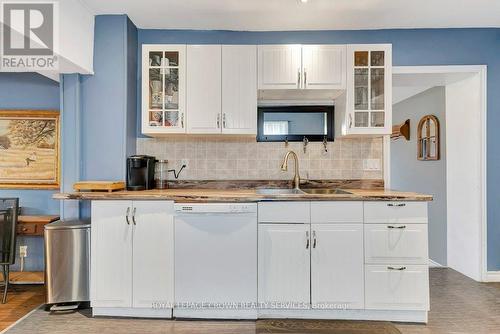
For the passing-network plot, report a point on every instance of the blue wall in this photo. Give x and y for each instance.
(30, 91)
(428, 177)
(101, 109)
(410, 47)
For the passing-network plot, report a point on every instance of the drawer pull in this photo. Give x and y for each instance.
(398, 227)
(396, 205)
(393, 268)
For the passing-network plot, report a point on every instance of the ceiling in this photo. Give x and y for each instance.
(293, 15)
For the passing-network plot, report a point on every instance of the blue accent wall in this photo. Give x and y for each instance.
(30, 91)
(101, 109)
(410, 47)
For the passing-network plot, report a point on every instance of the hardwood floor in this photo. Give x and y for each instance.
(21, 299)
(458, 305)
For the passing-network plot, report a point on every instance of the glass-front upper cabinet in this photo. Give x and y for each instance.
(163, 89)
(369, 92)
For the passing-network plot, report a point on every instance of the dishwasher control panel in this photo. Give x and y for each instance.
(216, 208)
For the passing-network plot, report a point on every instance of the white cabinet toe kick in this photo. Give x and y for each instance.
(310, 260)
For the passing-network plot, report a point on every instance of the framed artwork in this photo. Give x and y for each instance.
(29, 149)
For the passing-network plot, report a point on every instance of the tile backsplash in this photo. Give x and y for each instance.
(211, 158)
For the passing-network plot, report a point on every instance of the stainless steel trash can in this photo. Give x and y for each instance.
(67, 263)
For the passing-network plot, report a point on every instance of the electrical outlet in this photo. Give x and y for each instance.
(371, 164)
(185, 162)
(23, 251)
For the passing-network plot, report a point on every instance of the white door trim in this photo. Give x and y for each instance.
(481, 70)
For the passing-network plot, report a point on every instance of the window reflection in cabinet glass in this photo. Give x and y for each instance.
(361, 89)
(361, 119)
(377, 58)
(377, 119)
(361, 58)
(377, 88)
(155, 89)
(171, 88)
(171, 59)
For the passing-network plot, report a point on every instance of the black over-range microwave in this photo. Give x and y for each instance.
(295, 122)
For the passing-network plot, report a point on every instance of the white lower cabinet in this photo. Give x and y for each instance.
(153, 254)
(396, 243)
(283, 265)
(111, 260)
(397, 287)
(132, 256)
(337, 266)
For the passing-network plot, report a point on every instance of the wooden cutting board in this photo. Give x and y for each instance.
(108, 186)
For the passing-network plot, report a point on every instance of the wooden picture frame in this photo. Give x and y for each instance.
(29, 149)
(428, 141)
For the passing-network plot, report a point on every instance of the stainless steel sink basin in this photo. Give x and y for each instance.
(268, 191)
(326, 191)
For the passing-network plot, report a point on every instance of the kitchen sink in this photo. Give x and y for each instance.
(268, 191)
(326, 191)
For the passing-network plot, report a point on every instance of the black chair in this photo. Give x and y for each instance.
(9, 208)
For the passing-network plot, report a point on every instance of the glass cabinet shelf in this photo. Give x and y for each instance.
(369, 88)
(163, 82)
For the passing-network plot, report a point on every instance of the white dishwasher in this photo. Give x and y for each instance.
(216, 260)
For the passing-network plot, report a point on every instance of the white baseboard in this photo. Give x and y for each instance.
(215, 314)
(132, 312)
(434, 264)
(491, 276)
(377, 315)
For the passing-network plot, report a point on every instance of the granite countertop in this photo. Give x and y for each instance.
(243, 195)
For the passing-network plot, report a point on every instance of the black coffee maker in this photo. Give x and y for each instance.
(140, 172)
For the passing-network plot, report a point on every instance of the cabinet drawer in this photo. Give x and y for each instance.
(396, 243)
(336, 212)
(397, 287)
(395, 212)
(284, 212)
(26, 229)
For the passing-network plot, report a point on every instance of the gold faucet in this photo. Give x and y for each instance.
(284, 167)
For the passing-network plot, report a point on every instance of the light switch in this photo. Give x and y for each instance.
(371, 164)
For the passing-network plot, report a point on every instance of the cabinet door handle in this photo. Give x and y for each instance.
(350, 120)
(314, 239)
(218, 121)
(394, 268)
(398, 205)
(305, 78)
(398, 227)
(182, 120)
(133, 216)
(307, 239)
(224, 120)
(298, 76)
(126, 216)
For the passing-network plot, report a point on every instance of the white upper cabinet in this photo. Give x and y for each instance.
(368, 104)
(280, 66)
(204, 88)
(239, 89)
(163, 89)
(302, 66)
(324, 66)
